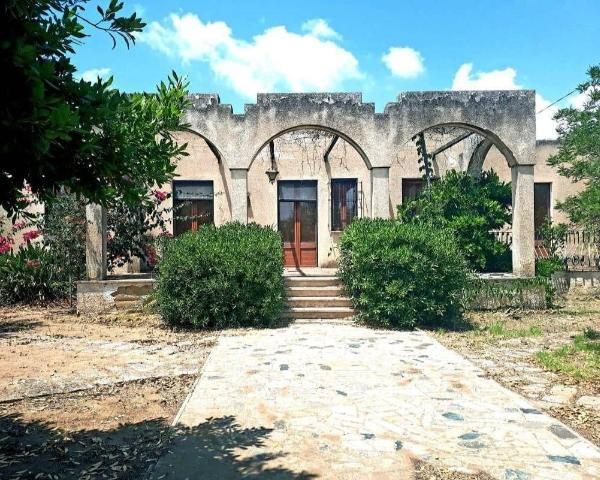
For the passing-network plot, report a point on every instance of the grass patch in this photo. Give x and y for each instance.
(580, 359)
(498, 329)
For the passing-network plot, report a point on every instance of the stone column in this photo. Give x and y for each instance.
(239, 195)
(523, 248)
(380, 192)
(95, 242)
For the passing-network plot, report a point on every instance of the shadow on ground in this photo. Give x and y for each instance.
(208, 451)
(15, 325)
(213, 450)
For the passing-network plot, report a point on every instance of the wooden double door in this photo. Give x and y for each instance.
(297, 221)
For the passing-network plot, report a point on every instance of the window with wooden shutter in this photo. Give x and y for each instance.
(344, 202)
(193, 205)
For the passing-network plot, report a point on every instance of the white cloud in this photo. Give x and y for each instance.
(276, 59)
(404, 62)
(466, 79)
(319, 28)
(545, 125)
(93, 74)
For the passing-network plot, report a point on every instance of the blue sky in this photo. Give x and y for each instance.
(236, 48)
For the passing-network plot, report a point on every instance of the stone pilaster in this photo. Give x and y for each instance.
(523, 248)
(95, 242)
(239, 195)
(380, 192)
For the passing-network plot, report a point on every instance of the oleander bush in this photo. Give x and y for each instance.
(220, 277)
(30, 275)
(402, 275)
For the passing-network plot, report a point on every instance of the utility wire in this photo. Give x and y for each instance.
(556, 101)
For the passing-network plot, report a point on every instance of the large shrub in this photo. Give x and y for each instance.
(220, 277)
(470, 207)
(30, 275)
(401, 275)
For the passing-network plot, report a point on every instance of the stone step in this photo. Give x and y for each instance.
(318, 301)
(330, 291)
(329, 321)
(318, 312)
(321, 281)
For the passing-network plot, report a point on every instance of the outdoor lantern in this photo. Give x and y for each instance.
(272, 173)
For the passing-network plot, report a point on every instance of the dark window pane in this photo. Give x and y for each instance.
(308, 221)
(541, 203)
(411, 188)
(344, 202)
(298, 190)
(192, 190)
(286, 221)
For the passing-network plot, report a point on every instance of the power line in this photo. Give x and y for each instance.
(556, 101)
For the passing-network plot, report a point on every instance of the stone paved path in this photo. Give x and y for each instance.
(343, 402)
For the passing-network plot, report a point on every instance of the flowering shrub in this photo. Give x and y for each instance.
(130, 229)
(31, 275)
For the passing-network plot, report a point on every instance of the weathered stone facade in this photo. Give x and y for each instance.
(376, 149)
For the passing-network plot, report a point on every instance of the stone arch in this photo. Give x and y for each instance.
(489, 138)
(322, 128)
(475, 165)
(211, 145)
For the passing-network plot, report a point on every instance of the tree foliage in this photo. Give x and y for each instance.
(470, 207)
(578, 155)
(61, 131)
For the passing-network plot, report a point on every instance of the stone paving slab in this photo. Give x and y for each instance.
(344, 402)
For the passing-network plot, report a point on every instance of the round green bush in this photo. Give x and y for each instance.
(220, 277)
(402, 275)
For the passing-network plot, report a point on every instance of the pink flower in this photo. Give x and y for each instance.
(19, 225)
(160, 195)
(31, 235)
(5, 244)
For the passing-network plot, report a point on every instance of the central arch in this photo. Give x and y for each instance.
(333, 131)
(309, 182)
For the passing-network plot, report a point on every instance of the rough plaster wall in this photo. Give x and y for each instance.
(299, 156)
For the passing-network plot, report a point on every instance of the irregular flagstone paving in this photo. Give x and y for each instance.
(344, 402)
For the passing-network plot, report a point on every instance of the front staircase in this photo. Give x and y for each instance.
(314, 295)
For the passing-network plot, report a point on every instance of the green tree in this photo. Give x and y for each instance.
(470, 207)
(60, 131)
(578, 156)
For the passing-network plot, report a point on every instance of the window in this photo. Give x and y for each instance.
(192, 205)
(541, 204)
(411, 188)
(344, 200)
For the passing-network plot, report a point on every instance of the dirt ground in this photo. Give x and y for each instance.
(505, 345)
(90, 398)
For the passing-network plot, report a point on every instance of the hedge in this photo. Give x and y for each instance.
(220, 277)
(402, 275)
